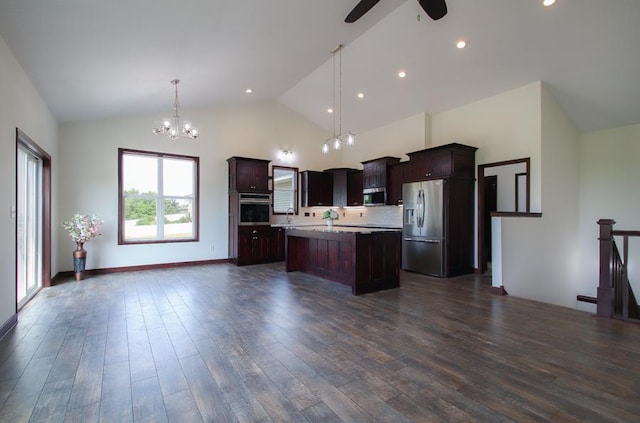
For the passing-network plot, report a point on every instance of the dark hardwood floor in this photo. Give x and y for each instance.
(218, 343)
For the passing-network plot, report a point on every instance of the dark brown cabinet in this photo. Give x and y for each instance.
(455, 165)
(250, 244)
(441, 162)
(374, 174)
(277, 244)
(254, 245)
(316, 188)
(354, 188)
(341, 191)
(248, 175)
(397, 176)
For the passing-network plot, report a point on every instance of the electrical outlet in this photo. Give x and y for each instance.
(212, 247)
(306, 214)
(314, 214)
(12, 212)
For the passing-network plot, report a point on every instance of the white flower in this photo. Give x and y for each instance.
(330, 214)
(82, 228)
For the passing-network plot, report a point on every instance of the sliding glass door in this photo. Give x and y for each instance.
(29, 224)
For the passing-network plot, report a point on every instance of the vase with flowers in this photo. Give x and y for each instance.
(329, 216)
(82, 228)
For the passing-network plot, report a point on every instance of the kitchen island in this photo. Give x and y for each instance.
(366, 259)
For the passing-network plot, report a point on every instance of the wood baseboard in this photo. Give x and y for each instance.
(8, 325)
(498, 290)
(587, 299)
(69, 274)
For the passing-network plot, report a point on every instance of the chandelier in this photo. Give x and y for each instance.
(339, 138)
(172, 127)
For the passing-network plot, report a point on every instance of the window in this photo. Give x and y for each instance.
(158, 197)
(285, 194)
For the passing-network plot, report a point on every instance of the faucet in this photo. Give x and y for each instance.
(289, 217)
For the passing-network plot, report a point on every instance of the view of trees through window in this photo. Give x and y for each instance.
(158, 197)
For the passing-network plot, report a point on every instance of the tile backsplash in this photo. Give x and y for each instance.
(390, 216)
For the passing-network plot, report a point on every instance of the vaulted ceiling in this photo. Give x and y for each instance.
(98, 60)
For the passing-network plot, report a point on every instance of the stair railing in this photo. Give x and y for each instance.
(614, 293)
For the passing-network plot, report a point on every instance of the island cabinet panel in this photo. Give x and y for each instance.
(365, 261)
(378, 261)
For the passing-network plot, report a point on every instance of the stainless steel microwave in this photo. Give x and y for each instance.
(374, 197)
(254, 209)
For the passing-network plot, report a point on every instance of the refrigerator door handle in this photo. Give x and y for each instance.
(422, 208)
(428, 241)
(419, 208)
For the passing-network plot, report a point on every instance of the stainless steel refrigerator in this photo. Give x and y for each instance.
(422, 228)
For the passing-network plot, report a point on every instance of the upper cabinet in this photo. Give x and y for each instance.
(450, 160)
(398, 175)
(343, 192)
(375, 173)
(354, 188)
(248, 175)
(316, 188)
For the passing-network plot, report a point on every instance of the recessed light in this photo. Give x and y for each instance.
(248, 91)
(402, 74)
(548, 2)
(360, 95)
(461, 44)
(329, 110)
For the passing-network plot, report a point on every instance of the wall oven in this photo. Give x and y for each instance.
(254, 209)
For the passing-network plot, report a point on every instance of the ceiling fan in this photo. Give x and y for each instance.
(436, 9)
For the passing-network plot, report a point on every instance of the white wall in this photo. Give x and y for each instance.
(395, 140)
(540, 256)
(503, 127)
(21, 107)
(88, 173)
(609, 185)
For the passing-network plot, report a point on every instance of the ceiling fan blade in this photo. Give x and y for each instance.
(436, 9)
(361, 8)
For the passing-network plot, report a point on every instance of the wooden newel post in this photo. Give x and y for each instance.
(606, 292)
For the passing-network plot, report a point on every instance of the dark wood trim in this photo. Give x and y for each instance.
(515, 214)
(8, 325)
(196, 205)
(587, 299)
(625, 233)
(295, 188)
(498, 290)
(69, 274)
(482, 261)
(24, 140)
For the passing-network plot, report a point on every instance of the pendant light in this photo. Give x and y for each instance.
(339, 138)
